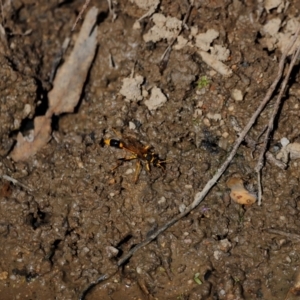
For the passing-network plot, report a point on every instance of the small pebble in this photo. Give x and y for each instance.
(77, 138)
(85, 250)
(111, 251)
(105, 209)
(129, 171)
(162, 200)
(284, 141)
(237, 95)
(288, 259)
(80, 164)
(112, 181)
(132, 126)
(225, 135)
(182, 208)
(119, 122)
(181, 268)
(224, 245)
(127, 282)
(206, 122)
(217, 254)
(27, 110)
(3, 275)
(215, 117)
(205, 167)
(187, 241)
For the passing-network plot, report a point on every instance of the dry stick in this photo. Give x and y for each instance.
(260, 162)
(292, 236)
(16, 182)
(166, 54)
(111, 11)
(253, 145)
(150, 12)
(200, 195)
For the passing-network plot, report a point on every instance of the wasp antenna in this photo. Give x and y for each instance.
(118, 133)
(165, 161)
(102, 143)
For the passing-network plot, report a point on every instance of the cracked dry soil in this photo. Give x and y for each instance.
(81, 216)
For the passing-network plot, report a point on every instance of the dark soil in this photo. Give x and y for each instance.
(80, 216)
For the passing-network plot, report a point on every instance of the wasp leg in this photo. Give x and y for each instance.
(118, 165)
(162, 164)
(118, 133)
(137, 171)
(134, 156)
(138, 166)
(121, 160)
(148, 166)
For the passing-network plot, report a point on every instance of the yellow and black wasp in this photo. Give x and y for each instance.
(138, 151)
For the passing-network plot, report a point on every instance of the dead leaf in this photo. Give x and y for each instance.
(41, 136)
(70, 78)
(67, 89)
(238, 192)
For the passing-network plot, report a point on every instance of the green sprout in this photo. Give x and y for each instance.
(161, 269)
(241, 218)
(197, 279)
(195, 122)
(202, 82)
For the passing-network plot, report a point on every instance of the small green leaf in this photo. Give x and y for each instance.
(202, 82)
(197, 279)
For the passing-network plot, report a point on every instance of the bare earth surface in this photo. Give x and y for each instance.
(75, 216)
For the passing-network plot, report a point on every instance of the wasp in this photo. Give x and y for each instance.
(138, 151)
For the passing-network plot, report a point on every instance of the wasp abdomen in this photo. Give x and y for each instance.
(114, 143)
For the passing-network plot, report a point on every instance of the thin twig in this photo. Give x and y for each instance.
(292, 236)
(200, 195)
(260, 162)
(15, 182)
(254, 146)
(111, 11)
(79, 17)
(270, 158)
(150, 12)
(166, 54)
